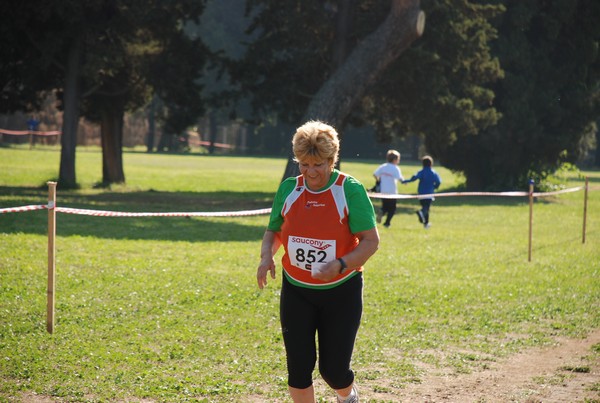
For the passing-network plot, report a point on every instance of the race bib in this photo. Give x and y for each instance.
(310, 254)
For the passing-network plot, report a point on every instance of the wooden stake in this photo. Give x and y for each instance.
(51, 255)
(530, 216)
(585, 199)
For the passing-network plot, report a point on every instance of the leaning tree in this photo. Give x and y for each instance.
(316, 65)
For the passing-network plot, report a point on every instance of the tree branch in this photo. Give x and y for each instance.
(338, 96)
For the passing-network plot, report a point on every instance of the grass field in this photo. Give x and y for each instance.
(167, 308)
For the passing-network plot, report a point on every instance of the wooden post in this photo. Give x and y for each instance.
(530, 216)
(51, 255)
(585, 199)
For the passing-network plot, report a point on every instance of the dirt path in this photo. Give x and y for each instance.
(568, 372)
(553, 374)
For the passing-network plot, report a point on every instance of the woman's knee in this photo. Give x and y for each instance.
(336, 378)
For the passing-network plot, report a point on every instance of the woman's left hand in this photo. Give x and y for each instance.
(368, 243)
(328, 271)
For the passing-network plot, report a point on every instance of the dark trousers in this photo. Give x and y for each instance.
(335, 315)
(388, 208)
(425, 205)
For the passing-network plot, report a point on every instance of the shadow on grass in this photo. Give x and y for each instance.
(592, 179)
(177, 228)
(195, 229)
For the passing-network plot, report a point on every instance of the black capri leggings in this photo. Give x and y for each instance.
(335, 315)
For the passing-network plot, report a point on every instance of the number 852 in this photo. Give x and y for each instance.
(311, 256)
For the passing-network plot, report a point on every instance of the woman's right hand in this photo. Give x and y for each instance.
(266, 265)
(270, 245)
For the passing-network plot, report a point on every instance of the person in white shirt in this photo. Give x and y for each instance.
(388, 175)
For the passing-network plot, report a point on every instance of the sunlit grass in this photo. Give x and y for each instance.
(167, 309)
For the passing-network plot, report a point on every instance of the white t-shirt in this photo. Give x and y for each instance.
(389, 174)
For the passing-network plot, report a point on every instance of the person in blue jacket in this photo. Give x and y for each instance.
(429, 181)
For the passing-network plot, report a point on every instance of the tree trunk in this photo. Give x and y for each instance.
(342, 30)
(151, 110)
(68, 140)
(597, 159)
(212, 133)
(345, 88)
(111, 132)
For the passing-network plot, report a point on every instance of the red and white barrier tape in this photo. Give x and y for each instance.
(26, 132)
(105, 213)
(502, 194)
(569, 190)
(23, 208)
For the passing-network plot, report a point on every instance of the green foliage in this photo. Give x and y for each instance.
(289, 57)
(167, 309)
(502, 90)
(129, 51)
(499, 88)
(152, 55)
(441, 86)
(32, 39)
(558, 179)
(548, 97)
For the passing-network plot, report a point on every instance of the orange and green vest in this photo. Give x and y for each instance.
(314, 226)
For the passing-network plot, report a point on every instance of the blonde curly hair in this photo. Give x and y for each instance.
(316, 140)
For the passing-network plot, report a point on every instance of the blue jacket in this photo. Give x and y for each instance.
(429, 180)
